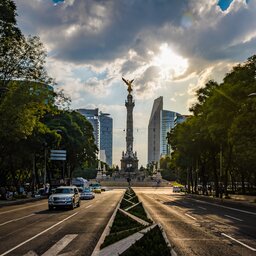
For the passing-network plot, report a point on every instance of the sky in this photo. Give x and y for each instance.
(169, 47)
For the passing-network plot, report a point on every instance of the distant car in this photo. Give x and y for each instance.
(64, 196)
(96, 188)
(176, 189)
(87, 194)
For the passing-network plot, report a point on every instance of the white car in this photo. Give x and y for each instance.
(64, 196)
(86, 193)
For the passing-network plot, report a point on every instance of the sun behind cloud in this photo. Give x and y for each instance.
(169, 63)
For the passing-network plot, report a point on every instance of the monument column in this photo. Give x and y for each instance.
(129, 123)
(129, 161)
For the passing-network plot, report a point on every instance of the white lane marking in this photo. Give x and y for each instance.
(17, 219)
(233, 217)
(243, 244)
(33, 237)
(202, 208)
(17, 209)
(88, 206)
(226, 207)
(190, 216)
(60, 245)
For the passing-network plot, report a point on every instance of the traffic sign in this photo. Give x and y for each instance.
(59, 155)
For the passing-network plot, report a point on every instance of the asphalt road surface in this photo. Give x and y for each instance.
(30, 229)
(198, 227)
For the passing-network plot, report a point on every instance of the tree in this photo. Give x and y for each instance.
(76, 135)
(223, 119)
(20, 58)
(21, 110)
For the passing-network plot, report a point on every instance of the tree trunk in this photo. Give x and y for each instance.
(215, 175)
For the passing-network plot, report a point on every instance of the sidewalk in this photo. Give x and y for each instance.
(20, 201)
(235, 199)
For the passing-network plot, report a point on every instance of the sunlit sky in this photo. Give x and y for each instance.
(170, 47)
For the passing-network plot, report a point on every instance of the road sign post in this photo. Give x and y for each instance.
(59, 155)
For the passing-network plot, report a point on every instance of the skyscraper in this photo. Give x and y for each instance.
(103, 132)
(167, 123)
(154, 131)
(160, 123)
(106, 136)
(92, 115)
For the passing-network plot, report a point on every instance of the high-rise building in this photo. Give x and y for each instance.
(103, 132)
(106, 136)
(160, 123)
(166, 123)
(92, 115)
(154, 131)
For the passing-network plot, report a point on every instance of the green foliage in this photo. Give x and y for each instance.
(134, 199)
(114, 237)
(151, 244)
(218, 142)
(123, 226)
(123, 222)
(139, 211)
(32, 121)
(88, 173)
(125, 204)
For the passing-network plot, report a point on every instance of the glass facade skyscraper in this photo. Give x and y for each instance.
(167, 123)
(102, 130)
(92, 115)
(160, 123)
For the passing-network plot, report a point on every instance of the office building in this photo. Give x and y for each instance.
(92, 115)
(160, 123)
(103, 132)
(106, 136)
(154, 131)
(166, 123)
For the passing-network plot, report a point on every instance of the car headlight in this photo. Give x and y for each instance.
(50, 199)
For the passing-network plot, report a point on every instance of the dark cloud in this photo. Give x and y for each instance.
(100, 31)
(104, 29)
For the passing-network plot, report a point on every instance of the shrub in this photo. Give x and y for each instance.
(151, 244)
(139, 211)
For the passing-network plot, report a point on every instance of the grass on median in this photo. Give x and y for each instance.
(123, 226)
(151, 244)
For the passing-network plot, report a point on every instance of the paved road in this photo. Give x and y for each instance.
(30, 229)
(198, 227)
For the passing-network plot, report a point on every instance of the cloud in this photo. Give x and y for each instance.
(92, 44)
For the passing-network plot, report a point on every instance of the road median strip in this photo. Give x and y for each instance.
(123, 234)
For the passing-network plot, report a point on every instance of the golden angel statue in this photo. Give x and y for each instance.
(129, 84)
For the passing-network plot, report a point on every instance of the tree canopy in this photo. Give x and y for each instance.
(34, 118)
(217, 144)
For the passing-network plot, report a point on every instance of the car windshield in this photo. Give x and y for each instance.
(87, 190)
(64, 191)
